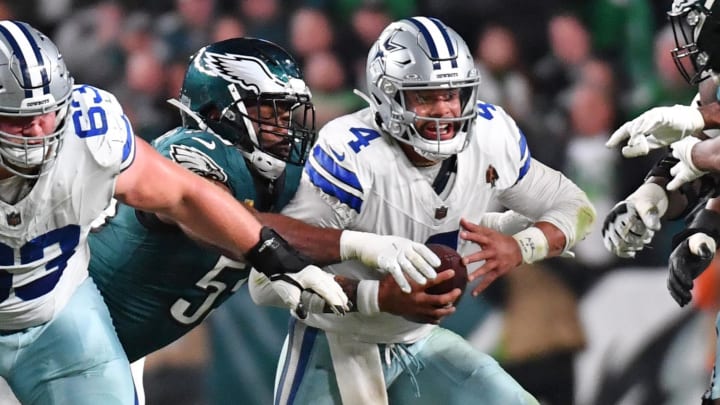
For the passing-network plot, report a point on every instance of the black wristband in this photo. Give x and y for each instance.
(706, 221)
(662, 167)
(274, 255)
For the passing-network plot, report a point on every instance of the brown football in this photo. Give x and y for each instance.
(449, 259)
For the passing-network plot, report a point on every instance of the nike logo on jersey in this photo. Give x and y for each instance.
(338, 156)
(208, 144)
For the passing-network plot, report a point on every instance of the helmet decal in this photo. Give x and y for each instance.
(437, 39)
(238, 69)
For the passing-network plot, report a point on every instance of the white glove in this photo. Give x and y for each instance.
(684, 170)
(655, 128)
(312, 279)
(632, 223)
(391, 254)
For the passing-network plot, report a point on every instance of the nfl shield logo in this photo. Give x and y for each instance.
(13, 219)
(441, 212)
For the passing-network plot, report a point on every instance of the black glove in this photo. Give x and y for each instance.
(686, 265)
(274, 255)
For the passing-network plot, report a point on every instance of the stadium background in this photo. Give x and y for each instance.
(570, 72)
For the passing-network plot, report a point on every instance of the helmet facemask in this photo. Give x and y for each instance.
(696, 32)
(32, 157)
(407, 125)
(270, 130)
(422, 54)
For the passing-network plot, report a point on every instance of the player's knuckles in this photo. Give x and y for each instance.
(443, 275)
(473, 237)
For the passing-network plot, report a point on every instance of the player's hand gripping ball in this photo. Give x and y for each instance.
(449, 259)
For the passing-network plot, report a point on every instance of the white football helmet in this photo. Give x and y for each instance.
(421, 53)
(696, 25)
(33, 81)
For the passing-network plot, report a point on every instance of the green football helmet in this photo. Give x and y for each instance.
(228, 79)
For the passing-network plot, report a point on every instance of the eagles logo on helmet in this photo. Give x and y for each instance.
(226, 79)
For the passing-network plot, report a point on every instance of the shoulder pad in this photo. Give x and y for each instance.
(503, 142)
(198, 151)
(345, 158)
(98, 119)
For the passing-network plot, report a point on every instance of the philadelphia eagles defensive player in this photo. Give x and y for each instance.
(246, 113)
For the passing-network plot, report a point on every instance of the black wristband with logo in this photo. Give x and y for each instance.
(274, 255)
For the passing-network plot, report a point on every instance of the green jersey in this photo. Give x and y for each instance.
(157, 282)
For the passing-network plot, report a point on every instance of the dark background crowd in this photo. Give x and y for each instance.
(569, 72)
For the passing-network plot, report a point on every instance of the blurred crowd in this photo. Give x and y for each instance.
(569, 71)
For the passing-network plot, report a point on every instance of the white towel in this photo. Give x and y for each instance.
(358, 371)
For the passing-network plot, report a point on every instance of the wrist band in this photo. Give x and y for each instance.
(533, 244)
(367, 297)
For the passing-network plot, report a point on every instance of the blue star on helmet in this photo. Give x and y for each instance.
(389, 46)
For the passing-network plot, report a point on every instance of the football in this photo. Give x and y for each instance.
(449, 259)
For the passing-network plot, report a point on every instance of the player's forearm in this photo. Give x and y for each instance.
(549, 196)
(706, 155)
(322, 245)
(679, 202)
(204, 210)
(555, 238)
(711, 115)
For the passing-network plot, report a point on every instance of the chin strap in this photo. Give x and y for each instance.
(192, 114)
(363, 96)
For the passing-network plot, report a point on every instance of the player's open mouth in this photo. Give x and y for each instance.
(443, 131)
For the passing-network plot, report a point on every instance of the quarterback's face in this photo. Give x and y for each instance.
(438, 103)
(29, 127)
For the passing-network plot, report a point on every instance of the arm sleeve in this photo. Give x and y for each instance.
(546, 195)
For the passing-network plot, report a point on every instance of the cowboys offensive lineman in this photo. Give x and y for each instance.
(65, 151)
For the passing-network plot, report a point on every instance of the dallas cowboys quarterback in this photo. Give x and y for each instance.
(246, 113)
(65, 150)
(423, 162)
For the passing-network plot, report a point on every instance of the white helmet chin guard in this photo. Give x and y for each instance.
(422, 53)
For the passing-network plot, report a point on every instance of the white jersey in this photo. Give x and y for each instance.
(43, 237)
(358, 178)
